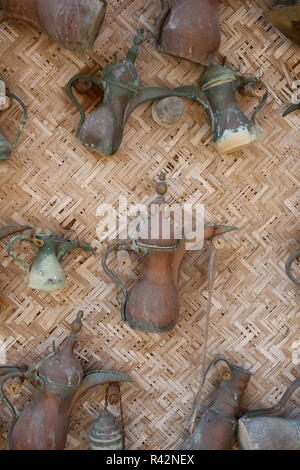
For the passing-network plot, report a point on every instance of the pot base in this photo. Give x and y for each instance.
(234, 141)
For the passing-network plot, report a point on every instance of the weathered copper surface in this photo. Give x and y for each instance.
(102, 131)
(189, 29)
(215, 429)
(231, 128)
(152, 304)
(288, 267)
(258, 430)
(6, 147)
(46, 272)
(74, 24)
(43, 424)
(286, 18)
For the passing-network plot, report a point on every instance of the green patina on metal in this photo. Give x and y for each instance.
(46, 272)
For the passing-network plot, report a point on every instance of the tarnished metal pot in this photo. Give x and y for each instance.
(43, 424)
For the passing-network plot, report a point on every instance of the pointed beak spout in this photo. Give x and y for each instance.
(221, 229)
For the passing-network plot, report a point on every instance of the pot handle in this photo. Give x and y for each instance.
(9, 373)
(119, 246)
(278, 407)
(13, 240)
(23, 122)
(288, 267)
(92, 79)
(246, 80)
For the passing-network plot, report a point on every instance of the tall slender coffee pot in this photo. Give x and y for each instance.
(152, 304)
(43, 424)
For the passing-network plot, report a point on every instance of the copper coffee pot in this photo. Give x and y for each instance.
(74, 24)
(152, 304)
(215, 429)
(43, 424)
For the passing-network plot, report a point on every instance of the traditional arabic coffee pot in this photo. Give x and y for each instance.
(152, 304)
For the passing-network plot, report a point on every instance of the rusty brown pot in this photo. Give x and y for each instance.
(43, 424)
(152, 304)
(189, 29)
(74, 24)
(215, 429)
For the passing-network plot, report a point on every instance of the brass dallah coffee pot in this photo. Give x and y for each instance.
(102, 131)
(46, 272)
(152, 304)
(215, 429)
(43, 424)
(74, 24)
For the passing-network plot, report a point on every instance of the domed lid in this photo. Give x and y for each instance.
(215, 75)
(158, 230)
(63, 368)
(124, 72)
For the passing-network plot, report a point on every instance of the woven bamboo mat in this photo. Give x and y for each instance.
(53, 181)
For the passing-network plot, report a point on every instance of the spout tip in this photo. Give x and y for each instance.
(220, 229)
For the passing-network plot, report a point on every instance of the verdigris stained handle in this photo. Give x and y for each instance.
(247, 79)
(13, 240)
(92, 79)
(114, 277)
(288, 267)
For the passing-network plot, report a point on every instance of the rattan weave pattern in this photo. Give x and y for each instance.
(52, 180)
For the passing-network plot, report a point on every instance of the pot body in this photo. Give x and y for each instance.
(232, 130)
(46, 273)
(74, 24)
(103, 129)
(152, 304)
(190, 29)
(269, 433)
(43, 425)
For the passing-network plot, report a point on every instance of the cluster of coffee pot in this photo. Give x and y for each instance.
(61, 383)
(152, 304)
(185, 29)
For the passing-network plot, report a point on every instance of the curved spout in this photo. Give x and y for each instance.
(209, 232)
(7, 230)
(95, 378)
